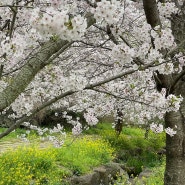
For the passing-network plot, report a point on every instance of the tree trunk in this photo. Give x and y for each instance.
(175, 149)
(175, 146)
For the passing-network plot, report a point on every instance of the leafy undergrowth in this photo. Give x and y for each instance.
(156, 178)
(32, 165)
(132, 148)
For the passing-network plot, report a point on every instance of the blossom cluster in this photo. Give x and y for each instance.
(47, 84)
(158, 128)
(166, 68)
(142, 33)
(12, 49)
(45, 133)
(90, 117)
(173, 102)
(170, 131)
(55, 3)
(164, 39)
(123, 54)
(54, 22)
(77, 126)
(77, 129)
(167, 8)
(76, 82)
(169, 103)
(107, 12)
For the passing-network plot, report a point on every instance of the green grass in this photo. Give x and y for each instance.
(12, 135)
(95, 147)
(131, 147)
(130, 137)
(84, 154)
(32, 165)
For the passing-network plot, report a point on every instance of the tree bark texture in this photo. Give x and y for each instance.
(178, 27)
(151, 12)
(175, 146)
(28, 72)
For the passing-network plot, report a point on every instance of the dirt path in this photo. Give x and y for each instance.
(14, 143)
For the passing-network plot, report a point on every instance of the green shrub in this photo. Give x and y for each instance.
(156, 178)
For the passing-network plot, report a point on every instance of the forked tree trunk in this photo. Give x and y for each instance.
(175, 146)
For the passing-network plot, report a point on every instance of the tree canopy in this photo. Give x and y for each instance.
(93, 56)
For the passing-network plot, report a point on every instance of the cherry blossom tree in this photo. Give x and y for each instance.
(101, 57)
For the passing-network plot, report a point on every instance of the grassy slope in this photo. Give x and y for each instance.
(131, 145)
(97, 146)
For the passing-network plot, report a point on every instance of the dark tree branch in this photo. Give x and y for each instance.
(151, 12)
(179, 77)
(14, 10)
